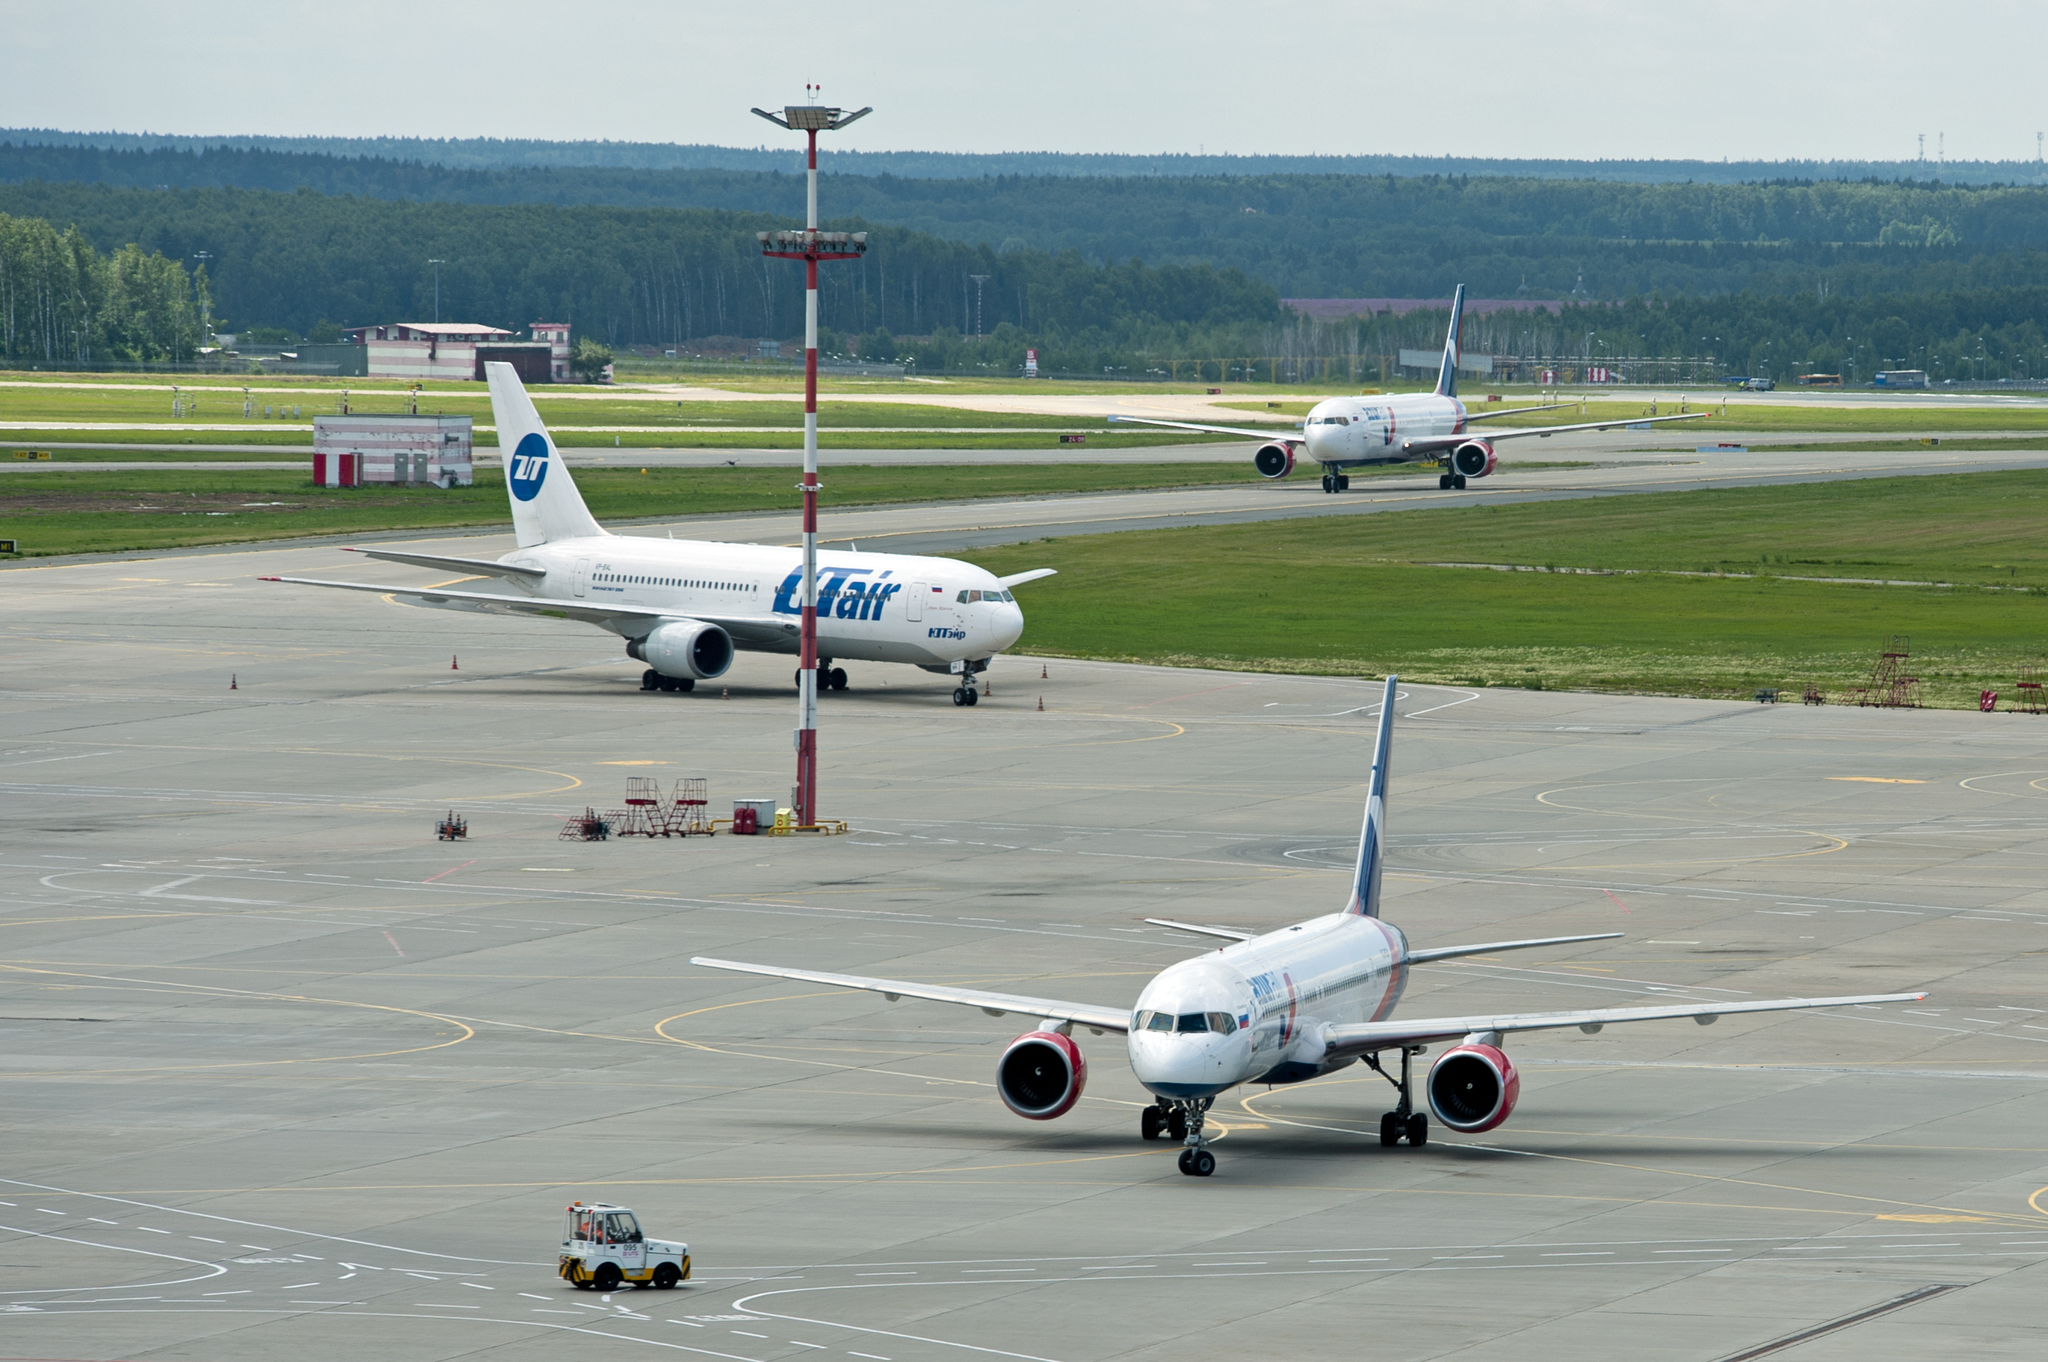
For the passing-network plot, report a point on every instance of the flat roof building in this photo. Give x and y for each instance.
(449, 351)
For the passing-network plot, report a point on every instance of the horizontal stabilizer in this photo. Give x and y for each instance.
(1227, 933)
(1453, 952)
(487, 567)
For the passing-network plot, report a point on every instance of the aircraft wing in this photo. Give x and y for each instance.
(1117, 1019)
(1227, 933)
(488, 567)
(1270, 433)
(1019, 578)
(1472, 416)
(1358, 1038)
(1434, 444)
(1488, 948)
(748, 629)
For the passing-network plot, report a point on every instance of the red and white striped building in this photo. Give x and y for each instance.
(396, 447)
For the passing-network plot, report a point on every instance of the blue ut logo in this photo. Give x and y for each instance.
(529, 467)
(839, 595)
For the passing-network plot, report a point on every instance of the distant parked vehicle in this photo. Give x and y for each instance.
(1759, 385)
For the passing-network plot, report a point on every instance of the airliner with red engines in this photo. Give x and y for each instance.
(1288, 1006)
(1374, 431)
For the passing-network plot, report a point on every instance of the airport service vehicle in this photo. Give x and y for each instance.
(1288, 1006)
(602, 1246)
(684, 607)
(1369, 432)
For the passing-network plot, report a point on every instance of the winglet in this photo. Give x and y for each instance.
(1447, 377)
(1365, 877)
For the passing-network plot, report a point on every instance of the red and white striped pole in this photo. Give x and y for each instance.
(810, 246)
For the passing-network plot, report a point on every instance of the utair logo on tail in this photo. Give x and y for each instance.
(529, 467)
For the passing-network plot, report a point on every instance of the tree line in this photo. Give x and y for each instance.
(93, 273)
(64, 302)
(1305, 235)
(493, 152)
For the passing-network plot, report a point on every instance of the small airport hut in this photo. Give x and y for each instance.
(810, 246)
(394, 447)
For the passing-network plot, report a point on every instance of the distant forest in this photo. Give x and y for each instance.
(1306, 236)
(677, 277)
(490, 153)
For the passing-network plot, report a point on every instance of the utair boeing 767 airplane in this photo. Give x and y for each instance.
(1367, 432)
(683, 606)
(1288, 1006)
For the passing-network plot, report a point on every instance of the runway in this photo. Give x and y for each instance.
(288, 1077)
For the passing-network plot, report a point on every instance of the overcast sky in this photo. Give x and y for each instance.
(1567, 78)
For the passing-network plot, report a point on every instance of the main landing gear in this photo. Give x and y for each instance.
(1333, 481)
(654, 680)
(1403, 1120)
(829, 677)
(1451, 482)
(1182, 1120)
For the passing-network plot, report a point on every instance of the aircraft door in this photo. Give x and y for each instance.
(915, 605)
(583, 576)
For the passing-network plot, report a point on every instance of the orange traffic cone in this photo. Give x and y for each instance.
(451, 663)
(1041, 672)
(233, 681)
(1041, 704)
(725, 693)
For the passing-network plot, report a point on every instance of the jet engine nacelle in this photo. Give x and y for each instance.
(1473, 459)
(1473, 1087)
(1275, 460)
(687, 650)
(1041, 1075)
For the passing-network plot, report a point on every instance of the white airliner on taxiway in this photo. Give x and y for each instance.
(1366, 432)
(1287, 1006)
(683, 606)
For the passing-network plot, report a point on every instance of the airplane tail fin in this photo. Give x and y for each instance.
(1447, 377)
(545, 503)
(1372, 839)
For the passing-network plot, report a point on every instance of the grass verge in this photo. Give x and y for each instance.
(1357, 595)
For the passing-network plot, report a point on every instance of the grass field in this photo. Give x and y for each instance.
(92, 512)
(1357, 595)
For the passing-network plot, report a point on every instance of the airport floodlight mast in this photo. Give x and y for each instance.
(437, 264)
(810, 246)
(979, 280)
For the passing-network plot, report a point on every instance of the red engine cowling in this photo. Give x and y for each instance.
(1473, 459)
(1275, 460)
(1473, 1087)
(1041, 1075)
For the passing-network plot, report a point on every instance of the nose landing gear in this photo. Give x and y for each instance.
(1403, 1121)
(1181, 1119)
(1333, 481)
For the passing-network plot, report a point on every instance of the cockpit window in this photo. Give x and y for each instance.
(1193, 1021)
(1155, 1021)
(1223, 1022)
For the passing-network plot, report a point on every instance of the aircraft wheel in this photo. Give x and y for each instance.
(959, 695)
(1458, 481)
(1177, 1124)
(1343, 483)
(687, 683)
(667, 683)
(1329, 483)
(1390, 1130)
(1187, 1162)
(606, 1278)
(650, 679)
(1202, 1164)
(1148, 1123)
(666, 1276)
(837, 678)
(973, 695)
(1443, 482)
(1418, 1130)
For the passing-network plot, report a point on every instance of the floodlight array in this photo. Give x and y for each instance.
(836, 242)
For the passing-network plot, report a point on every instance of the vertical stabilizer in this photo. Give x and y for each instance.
(1447, 377)
(1372, 839)
(545, 503)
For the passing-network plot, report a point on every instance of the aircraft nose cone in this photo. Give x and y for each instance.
(1181, 1066)
(1007, 627)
